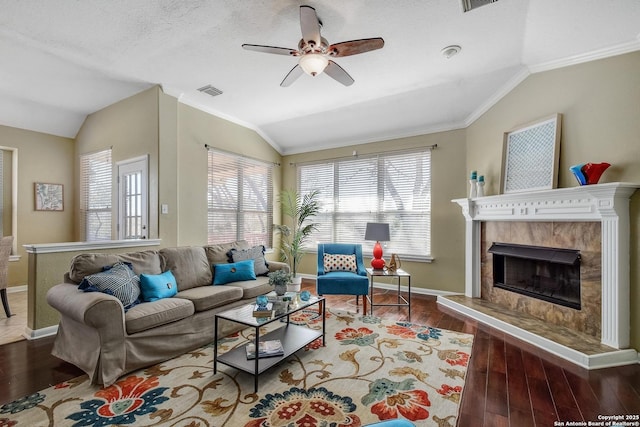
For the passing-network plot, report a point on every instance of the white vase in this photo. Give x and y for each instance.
(292, 287)
(295, 284)
(472, 188)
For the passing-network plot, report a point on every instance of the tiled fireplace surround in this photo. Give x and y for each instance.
(593, 219)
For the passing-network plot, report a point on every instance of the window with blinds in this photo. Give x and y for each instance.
(394, 188)
(96, 187)
(240, 199)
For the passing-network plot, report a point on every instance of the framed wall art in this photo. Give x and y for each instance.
(49, 197)
(530, 156)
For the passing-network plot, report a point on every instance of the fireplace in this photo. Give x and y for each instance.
(547, 274)
(531, 250)
(593, 219)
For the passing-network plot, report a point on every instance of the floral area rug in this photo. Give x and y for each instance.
(369, 370)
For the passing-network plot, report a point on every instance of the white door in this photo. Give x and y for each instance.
(133, 198)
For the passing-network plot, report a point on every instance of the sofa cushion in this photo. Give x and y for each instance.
(91, 263)
(219, 253)
(118, 280)
(189, 265)
(251, 288)
(233, 272)
(157, 286)
(148, 315)
(256, 254)
(208, 297)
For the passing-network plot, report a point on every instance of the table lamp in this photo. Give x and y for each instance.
(377, 231)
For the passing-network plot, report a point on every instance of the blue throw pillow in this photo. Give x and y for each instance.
(158, 286)
(233, 272)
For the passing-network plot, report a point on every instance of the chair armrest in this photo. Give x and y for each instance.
(360, 262)
(320, 259)
(278, 265)
(94, 309)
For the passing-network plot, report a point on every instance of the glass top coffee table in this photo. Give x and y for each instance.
(293, 337)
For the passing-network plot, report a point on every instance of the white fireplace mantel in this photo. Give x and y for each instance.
(607, 203)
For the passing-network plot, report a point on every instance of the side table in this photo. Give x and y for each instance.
(399, 274)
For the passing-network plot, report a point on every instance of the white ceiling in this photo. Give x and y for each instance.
(61, 60)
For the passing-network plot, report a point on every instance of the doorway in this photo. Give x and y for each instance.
(133, 197)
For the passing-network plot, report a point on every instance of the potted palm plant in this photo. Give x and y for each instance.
(300, 209)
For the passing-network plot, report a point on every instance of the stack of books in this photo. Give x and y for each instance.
(266, 311)
(270, 348)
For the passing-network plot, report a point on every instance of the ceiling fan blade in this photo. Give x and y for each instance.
(310, 25)
(271, 49)
(292, 76)
(338, 73)
(354, 47)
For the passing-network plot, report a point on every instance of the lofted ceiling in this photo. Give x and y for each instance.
(64, 59)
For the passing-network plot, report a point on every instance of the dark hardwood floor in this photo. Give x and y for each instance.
(509, 383)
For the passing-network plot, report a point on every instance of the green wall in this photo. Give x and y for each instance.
(600, 103)
(195, 129)
(174, 136)
(131, 128)
(41, 158)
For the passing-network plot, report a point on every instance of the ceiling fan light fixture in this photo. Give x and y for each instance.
(313, 63)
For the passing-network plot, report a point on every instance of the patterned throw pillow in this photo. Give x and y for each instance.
(256, 253)
(337, 262)
(118, 280)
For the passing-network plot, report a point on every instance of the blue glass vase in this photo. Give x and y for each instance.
(305, 295)
(262, 301)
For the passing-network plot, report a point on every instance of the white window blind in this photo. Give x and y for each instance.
(240, 199)
(394, 188)
(96, 187)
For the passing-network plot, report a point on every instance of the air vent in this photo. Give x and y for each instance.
(468, 5)
(210, 90)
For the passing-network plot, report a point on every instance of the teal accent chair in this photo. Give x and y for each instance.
(343, 282)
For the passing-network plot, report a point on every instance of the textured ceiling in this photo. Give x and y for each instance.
(64, 59)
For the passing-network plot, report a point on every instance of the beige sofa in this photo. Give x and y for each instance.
(98, 336)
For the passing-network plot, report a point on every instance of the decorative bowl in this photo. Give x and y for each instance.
(589, 173)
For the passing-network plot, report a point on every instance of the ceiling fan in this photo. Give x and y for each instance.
(314, 51)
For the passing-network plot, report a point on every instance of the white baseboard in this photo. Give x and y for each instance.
(414, 289)
(31, 334)
(20, 288)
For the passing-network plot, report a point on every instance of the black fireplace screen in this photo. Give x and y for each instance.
(549, 274)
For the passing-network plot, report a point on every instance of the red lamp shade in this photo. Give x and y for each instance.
(377, 231)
